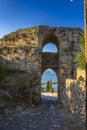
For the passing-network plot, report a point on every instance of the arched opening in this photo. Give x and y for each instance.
(50, 59)
(49, 84)
(50, 47)
(50, 38)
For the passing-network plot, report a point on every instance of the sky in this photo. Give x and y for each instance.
(50, 47)
(16, 14)
(48, 75)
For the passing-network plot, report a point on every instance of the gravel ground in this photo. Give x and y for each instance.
(48, 116)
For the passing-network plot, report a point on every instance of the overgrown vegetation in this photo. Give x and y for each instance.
(4, 71)
(80, 57)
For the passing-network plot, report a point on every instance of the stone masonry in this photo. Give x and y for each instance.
(23, 50)
(76, 95)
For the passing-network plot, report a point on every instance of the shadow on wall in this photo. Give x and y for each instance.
(76, 98)
(18, 88)
(20, 58)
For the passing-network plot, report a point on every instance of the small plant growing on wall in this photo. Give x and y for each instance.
(80, 57)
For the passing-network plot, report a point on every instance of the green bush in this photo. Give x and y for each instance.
(80, 57)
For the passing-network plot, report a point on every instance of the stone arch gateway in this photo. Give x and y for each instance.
(51, 59)
(23, 50)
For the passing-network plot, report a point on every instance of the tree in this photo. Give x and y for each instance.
(42, 89)
(80, 57)
(50, 85)
(47, 86)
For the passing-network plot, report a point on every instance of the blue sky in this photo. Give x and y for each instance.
(15, 14)
(49, 74)
(49, 48)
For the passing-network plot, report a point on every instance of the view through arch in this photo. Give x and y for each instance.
(49, 84)
(50, 47)
(49, 80)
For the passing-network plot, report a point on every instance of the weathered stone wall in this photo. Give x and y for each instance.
(49, 60)
(66, 40)
(19, 89)
(76, 95)
(20, 57)
(20, 50)
(23, 50)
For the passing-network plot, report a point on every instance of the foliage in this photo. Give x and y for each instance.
(4, 71)
(49, 86)
(52, 90)
(42, 89)
(80, 57)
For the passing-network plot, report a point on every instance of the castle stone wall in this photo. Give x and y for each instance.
(76, 95)
(23, 50)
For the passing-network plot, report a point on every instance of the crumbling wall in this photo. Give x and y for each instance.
(76, 95)
(22, 50)
(67, 43)
(19, 89)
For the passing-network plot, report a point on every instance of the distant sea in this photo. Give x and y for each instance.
(49, 75)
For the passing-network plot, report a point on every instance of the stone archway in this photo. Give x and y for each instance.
(22, 50)
(49, 76)
(51, 59)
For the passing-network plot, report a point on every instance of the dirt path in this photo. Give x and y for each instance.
(49, 96)
(48, 116)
